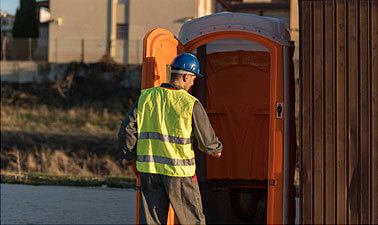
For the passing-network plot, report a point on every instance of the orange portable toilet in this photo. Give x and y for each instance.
(248, 94)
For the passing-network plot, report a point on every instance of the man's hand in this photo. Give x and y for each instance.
(217, 155)
(127, 163)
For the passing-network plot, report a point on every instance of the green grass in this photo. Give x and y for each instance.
(38, 178)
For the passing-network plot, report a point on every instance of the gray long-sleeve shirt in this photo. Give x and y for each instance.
(202, 129)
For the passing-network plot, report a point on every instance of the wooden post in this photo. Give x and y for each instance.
(56, 50)
(82, 51)
(4, 49)
(30, 49)
(18, 162)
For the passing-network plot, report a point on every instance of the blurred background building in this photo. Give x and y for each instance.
(113, 27)
(86, 30)
(7, 22)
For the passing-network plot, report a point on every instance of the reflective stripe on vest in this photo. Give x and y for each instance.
(165, 160)
(166, 138)
(164, 132)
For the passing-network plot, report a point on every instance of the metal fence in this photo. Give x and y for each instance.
(24, 49)
(68, 50)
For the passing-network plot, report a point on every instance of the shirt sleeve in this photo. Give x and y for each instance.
(127, 135)
(204, 132)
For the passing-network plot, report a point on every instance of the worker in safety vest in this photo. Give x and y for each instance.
(158, 133)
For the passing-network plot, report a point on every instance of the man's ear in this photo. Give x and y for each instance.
(185, 77)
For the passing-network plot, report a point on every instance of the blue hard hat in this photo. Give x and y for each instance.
(187, 62)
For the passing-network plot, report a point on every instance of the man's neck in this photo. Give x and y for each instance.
(177, 83)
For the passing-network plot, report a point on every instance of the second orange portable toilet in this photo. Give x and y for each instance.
(248, 94)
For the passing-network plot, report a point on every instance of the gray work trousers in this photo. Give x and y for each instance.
(157, 191)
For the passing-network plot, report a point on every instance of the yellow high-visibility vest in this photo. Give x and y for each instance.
(164, 129)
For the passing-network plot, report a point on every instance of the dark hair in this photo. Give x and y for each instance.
(176, 76)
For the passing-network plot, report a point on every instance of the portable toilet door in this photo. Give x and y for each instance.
(160, 47)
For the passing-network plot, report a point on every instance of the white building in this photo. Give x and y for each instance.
(89, 29)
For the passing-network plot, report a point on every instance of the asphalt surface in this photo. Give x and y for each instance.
(28, 204)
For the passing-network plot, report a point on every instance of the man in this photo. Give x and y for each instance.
(158, 132)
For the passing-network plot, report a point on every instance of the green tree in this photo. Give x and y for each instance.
(26, 22)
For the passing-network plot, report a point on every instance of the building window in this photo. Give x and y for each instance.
(122, 31)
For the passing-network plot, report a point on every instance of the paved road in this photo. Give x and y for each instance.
(27, 204)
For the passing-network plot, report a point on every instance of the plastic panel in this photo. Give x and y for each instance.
(238, 108)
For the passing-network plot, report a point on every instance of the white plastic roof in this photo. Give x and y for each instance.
(268, 27)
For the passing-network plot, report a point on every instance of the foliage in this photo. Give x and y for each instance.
(26, 22)
(89, 92)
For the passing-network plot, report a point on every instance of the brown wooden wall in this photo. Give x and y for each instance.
(339, 111)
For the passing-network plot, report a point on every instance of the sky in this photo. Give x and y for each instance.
(9, 6)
